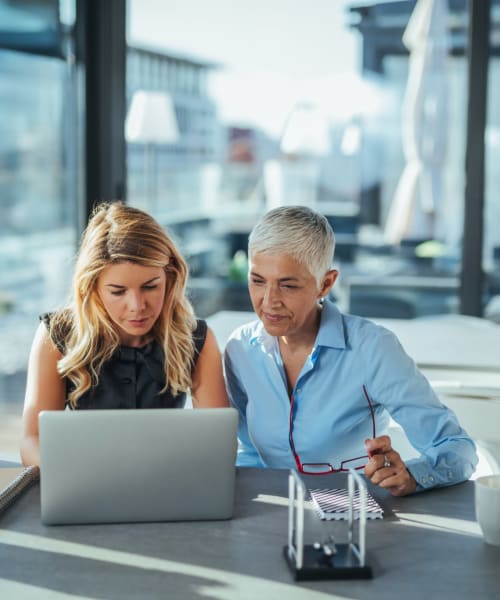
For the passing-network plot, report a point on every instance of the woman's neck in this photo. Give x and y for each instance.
(303, 340)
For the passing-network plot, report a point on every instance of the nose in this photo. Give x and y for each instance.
(271, 296)
(136, 302)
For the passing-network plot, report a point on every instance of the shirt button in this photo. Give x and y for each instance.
(450, 475)
(431, 478)
(126, 380)
(424, 480)
(299, 390)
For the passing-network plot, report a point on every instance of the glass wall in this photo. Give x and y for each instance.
(350, 109)
(271, 104)
(491, 246)
(38, 187)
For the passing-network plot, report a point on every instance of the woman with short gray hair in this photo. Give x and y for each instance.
(315, 388)
(298, 232)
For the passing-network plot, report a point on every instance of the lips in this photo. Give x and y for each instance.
(138, 322)
(273, 318)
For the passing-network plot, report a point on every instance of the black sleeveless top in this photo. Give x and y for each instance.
(133, 377)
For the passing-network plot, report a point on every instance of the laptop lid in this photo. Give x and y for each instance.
(112, 466)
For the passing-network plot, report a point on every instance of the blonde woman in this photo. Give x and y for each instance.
(129, 338)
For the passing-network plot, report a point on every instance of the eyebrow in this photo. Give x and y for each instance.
(281, 279)
(118, 286)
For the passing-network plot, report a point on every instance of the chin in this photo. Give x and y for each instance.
(275, 328)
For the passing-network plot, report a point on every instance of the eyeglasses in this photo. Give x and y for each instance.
(323, 468)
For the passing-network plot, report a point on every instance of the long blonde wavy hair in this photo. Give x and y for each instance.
(118, 233)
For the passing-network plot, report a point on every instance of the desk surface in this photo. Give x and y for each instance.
(444, 341)
(427, 544)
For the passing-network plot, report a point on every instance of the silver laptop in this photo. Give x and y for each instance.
(116, 466)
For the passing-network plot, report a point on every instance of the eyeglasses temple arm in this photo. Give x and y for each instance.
(370, 405)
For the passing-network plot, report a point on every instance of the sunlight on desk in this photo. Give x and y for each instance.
(438, 523)
(14, 589)
(274, 500)
(228, 585)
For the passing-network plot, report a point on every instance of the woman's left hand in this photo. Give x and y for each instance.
(386, 467)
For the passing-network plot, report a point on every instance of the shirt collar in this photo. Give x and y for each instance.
(261, 337)
(331, 330)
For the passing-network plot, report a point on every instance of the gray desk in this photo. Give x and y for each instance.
(427, 545)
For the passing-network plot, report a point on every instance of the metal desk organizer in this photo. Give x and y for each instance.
(325, 560)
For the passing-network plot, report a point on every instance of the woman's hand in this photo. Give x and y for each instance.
(386, 467)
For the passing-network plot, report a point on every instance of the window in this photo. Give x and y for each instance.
(39, 187)
(286, 122)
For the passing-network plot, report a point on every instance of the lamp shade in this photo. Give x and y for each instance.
(306, 132)
(151, 119)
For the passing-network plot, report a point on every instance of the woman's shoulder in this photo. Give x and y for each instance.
(200, 334)
(369, 334)
(58, 324)
(247, 338)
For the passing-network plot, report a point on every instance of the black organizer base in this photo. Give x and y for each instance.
(316, 565)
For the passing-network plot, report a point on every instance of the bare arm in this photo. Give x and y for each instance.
(208, 389)
(45, 390)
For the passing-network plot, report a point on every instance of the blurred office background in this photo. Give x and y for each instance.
(378, 114)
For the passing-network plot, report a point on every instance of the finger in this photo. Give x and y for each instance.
(387, 477)
(399, 490)
(396, 484)
(381, 466)
(397, 480)
(379, 462)
(378, 445)
(408, 486)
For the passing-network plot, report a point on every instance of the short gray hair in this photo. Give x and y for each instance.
(296, 231)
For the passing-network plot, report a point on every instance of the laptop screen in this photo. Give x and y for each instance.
(109, 466)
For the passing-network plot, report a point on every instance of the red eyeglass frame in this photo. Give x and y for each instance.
(329, 467)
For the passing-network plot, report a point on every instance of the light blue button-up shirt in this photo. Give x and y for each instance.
(332, 417)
